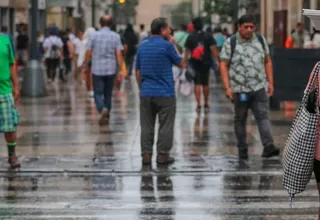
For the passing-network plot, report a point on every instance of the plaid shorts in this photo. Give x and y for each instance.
(9, 115)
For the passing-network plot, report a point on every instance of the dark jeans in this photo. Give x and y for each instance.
(165, 109)
(102, 87)
(258, 103)
(52, 65)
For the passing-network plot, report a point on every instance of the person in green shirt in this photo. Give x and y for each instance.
(180, 37)
(9, 96)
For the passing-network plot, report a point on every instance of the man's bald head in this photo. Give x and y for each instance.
(106, 21)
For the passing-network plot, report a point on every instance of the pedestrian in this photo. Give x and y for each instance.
(131, 40)
(22, 43)
(300, 36)
(9, 97)
(201, 47)
(105, 49)
(154, 61)
(246, 71)
(53, 48)
(180, 37)
(68, 54)
(143, 33)
(81, 59)
(77, 44)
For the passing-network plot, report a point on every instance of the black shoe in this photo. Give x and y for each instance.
(243, 154)
(270, 151)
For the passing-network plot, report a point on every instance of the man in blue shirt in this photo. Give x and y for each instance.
(155, 58)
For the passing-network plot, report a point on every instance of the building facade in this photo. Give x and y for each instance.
(279, 17)
(147, 10)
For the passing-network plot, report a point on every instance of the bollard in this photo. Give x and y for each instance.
(33, 84)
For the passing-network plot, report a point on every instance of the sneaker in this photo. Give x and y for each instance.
(164, 159)
(91, 94)
(103, 116)
(270, 151)
(243, 154)
(198, 109)
(146, 159)
(14, 163)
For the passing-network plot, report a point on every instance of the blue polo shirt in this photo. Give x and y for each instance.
(155, 58)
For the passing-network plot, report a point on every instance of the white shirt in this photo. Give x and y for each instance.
(143, 36)
(77, 45)
(49, 41)
(72, 37)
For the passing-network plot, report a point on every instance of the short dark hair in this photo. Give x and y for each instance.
(183, 27)
(299, 24)
(142, 26)
(106, 22)
(197, 24)
(157, 24)
(246, 19)
(4, 29)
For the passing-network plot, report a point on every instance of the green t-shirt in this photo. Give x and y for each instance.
(6, 60)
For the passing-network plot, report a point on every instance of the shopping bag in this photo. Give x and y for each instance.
(298, 155)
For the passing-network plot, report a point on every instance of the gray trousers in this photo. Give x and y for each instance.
(258, 103)
(165, 109)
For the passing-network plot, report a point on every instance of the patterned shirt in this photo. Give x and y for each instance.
(247, 67)
(154, 60)
(104, 44)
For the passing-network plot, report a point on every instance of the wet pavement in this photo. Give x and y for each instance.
(74, 169)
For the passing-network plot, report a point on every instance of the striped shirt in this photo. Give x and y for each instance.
(104, 44)
(155, 58)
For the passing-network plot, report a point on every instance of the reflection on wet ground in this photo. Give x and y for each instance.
(73, 169)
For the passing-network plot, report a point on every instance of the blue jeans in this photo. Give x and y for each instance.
(102, 87)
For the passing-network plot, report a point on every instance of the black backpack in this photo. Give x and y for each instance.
(233, 42)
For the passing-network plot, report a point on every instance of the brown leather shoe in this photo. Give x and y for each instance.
(164, 159)
(14, 163)
(147, 159)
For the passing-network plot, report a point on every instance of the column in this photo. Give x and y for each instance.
(290, 14)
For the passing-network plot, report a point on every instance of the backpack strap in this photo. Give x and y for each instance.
(260, 38)
(233, 42)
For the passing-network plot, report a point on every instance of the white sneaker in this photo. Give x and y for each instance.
(90, 93)
(103, 116)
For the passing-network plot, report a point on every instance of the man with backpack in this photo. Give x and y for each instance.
(247, 75)
(53, 47)
(201, 47)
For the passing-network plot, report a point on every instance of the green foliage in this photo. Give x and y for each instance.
(182, 13)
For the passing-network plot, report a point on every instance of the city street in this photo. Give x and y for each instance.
(73, 169)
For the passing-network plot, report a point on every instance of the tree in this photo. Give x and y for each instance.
(124, 12)
(182, 13)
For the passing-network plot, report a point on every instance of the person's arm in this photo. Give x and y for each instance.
(71, 49)
(268, 68)
(138, 67)
(61, 49)
(119, 55)
(45, 45)
(88, 54)
(225, 57)
(187, 49)
(214, 50)
(174, 55)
